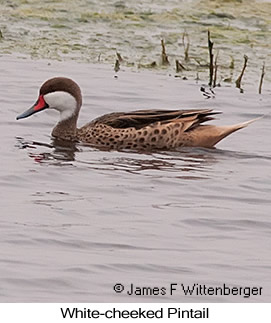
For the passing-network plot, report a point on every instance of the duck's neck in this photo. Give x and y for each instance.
(66, 129)
(68, 107)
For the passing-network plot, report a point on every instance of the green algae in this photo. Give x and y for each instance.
(59, 26)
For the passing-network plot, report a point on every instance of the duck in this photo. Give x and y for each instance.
(142, 130)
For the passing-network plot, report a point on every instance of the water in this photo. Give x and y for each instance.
(76, 220)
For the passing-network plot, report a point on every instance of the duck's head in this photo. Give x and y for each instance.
(58, 93)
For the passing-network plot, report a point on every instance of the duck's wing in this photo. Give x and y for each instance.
(142, 118)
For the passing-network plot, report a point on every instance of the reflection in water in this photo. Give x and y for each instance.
(145, 164)
(60, 150)
(64, 150)
(196, 161)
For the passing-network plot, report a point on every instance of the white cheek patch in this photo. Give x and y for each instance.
(63, 102)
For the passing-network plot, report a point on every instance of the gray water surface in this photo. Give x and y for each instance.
(75, 220)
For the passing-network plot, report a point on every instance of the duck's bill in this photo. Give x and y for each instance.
(38, 106)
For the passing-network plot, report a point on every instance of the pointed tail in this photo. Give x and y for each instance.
(243, 124)
(224, 131)
(209, 135)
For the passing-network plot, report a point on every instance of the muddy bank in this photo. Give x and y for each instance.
(92, 31)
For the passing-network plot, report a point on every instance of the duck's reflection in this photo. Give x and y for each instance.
(194, 160)
(57, 150)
